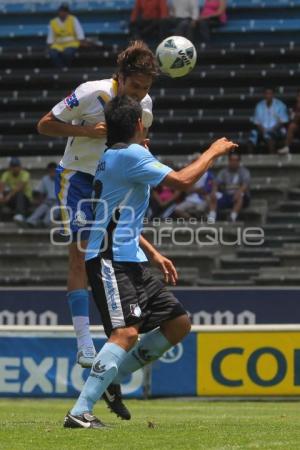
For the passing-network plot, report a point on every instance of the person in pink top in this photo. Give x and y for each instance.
(213, 14)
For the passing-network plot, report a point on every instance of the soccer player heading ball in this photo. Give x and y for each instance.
(80, 118)
(131, 299)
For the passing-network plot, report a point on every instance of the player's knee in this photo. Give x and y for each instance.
(185, 325)
(126, 337)
(175, 330)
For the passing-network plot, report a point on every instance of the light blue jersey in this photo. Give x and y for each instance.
(122, 184)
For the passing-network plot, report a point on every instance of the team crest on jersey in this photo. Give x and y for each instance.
(80, 219)
(135, 310)
(71, 101)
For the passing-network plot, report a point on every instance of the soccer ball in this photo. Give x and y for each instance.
(176, 56)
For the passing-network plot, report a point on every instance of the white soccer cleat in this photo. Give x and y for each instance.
(86, 356)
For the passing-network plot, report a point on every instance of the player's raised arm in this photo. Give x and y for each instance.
(58, 122)
(185, 178)
(51, 126)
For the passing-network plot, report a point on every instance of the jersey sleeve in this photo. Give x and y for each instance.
(245, 176)
(71, 107)
(140, 166)
(283, 113)
(257, 115)
(50, 36)
(41, 187)
(147, 117)
(78, 29)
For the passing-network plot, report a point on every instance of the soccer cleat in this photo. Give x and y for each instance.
(113, 398)
(85, 420)
(86, 356)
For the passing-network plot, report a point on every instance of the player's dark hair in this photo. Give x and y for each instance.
(51, 165)
(137, 58)
(269, 88)
(121, 115)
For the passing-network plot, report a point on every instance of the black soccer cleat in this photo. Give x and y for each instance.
(113, 398)
(85, 420)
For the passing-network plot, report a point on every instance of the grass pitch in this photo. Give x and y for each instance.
(156, 424)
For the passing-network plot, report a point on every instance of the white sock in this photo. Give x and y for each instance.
(212, 215)
(82, 329)
(233, 216)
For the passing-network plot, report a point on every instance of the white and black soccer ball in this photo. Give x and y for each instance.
(176, 56)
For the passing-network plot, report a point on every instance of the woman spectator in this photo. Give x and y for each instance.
(163, 202)
(212, 15)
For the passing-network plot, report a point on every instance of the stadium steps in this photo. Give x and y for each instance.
(279, 241)
(286, 229)
(255, 252)
(10, 233)
(294, 194)
(193, 258)
(283, 217)
(208, 282)
(233, 262)
(209, 76)
(289, 257)
(233, 274)
(289, 206)
(278, 277)
(31, 277)
(34, 57)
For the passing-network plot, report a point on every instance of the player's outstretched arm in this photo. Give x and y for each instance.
(51, 126)
(185, 178)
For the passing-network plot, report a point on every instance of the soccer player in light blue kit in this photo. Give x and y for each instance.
(132, 301)
(80, 117)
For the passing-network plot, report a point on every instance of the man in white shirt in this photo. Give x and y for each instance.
(270, 120)
(183, 19)
(65, 35)
(80, 118)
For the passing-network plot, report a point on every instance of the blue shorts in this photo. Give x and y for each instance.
(74, 190)
(227, 202)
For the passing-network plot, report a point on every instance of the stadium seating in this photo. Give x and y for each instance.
(260, 46)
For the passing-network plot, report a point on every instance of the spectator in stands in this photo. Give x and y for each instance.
(212, 15)
(183, 19)
(65, 35)
(146, 19)
(293, 128)
(46, 191)
(163, 201)
(231, 190)
(198, 199)
(270, 119)
(15, 190)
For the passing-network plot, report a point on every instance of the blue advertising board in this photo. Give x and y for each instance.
(43, 365)
(174, 374)
(206, 306)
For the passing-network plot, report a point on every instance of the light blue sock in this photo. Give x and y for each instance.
(104, 370)
(79, 306)
(150, 347)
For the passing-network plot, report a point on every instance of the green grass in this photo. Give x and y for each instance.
(37, 424)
